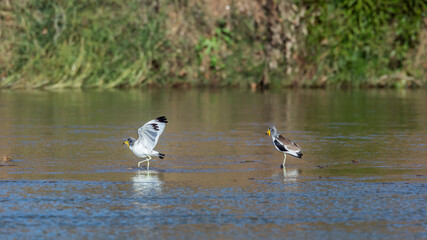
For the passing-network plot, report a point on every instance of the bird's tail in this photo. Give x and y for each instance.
(299, 154)
(161, 155)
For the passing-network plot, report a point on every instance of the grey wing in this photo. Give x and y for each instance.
(297, 145)
(289, 145)
(149, 133)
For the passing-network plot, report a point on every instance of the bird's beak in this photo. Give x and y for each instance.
(127, 143)
(268, 132)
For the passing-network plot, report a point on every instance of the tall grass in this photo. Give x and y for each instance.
(109, 44)
(83, 44)
(358, 41)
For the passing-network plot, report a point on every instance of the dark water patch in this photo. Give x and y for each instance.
(308, 204)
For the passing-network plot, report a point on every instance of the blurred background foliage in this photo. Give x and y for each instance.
(183, 43)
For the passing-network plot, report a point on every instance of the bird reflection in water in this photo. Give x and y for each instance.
(147, 182)
(290, 174)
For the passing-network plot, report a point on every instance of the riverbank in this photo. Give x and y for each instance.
(78, 44)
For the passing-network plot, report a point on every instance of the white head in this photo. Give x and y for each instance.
(272, 131)
(129, 142)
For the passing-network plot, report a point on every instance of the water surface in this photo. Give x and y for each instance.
(362, 176)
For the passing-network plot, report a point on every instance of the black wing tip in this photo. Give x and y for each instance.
(161, 155)
(299, 155)
(162, 119)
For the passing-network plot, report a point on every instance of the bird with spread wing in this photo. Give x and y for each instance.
(148, 136)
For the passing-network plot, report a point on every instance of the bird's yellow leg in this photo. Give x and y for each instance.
(146, 160)
(284, 160)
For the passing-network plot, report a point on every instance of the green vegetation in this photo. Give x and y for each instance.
(362, 39)
(108, 44)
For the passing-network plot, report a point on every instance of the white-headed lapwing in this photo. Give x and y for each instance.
(284, 145)
(148, 134)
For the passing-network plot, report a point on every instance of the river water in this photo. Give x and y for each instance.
(363, 174)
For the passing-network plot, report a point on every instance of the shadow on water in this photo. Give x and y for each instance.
(362, 176)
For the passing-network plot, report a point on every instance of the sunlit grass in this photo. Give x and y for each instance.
(111, 44)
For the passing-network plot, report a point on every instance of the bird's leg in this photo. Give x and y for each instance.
(146, 160)
(284, 160)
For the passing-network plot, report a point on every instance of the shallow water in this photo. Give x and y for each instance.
(362, 176)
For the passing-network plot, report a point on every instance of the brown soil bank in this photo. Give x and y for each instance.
(223, 43)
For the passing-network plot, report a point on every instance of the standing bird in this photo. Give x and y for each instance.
(284, 145)
(148, 136)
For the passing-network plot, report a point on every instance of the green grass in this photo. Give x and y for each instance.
(136, 43)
